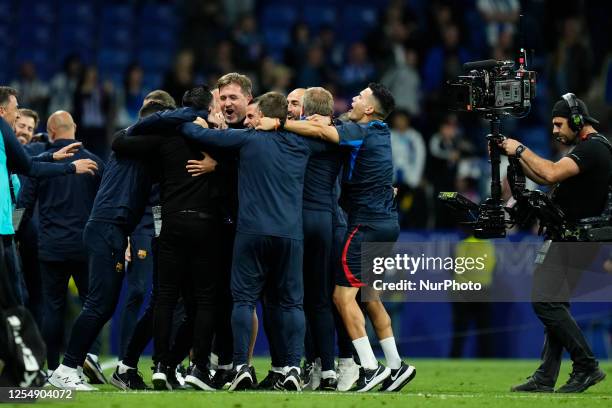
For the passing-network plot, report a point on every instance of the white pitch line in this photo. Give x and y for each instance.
(370, 394)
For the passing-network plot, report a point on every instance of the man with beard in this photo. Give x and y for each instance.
(294, 104)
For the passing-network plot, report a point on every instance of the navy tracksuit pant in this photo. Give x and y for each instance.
(271, 266)
(105, 244)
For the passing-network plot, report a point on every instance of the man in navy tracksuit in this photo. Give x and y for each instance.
(118, 207)
(319, 205)
(268, 248)
(64, 204)
(367, 196)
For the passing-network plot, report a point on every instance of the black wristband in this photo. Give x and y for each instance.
(519, 150)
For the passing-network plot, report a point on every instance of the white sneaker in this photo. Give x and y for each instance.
(314, 380)
(68, 378)
(348, 374)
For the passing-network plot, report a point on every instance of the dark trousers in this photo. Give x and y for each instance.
(345, 345)
(55, 278)
(27, 237)
(8, 296)
(143, 330)
(319, 283)
(105, 244)
(139, 272)
(187, 264)
(271, 266)
(223, 344)
(12, 263)
(559, 271)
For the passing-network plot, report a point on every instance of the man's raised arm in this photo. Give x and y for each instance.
(163, 122)
(226, 138)
(309, 128)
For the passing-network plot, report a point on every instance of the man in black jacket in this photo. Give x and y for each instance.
(187, 263)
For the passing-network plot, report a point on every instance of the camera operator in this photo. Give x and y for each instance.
(581, 180)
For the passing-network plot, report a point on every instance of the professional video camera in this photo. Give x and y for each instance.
(493, 89)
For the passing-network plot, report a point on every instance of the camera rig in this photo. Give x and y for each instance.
(493, 89)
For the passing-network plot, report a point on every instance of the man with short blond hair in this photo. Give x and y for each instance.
(25, 125)
(235, 93)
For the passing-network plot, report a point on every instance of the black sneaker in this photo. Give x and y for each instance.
(306, 371)
(271, 379)
(222, 378)
(532, 385)
(93, 371)
(243, 380)
(130, 380)
(368, 379)
(399, 378)
(176, 377)
(328, 384)
(161, 377)
(292, 381)
(199, 379)
(253, 376)
(580, 381)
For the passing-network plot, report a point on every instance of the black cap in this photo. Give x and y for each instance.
(562, 109)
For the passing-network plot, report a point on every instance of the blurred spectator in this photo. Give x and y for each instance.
(224, 59)
(63, 85)
(33, 93)
(249, 42)
(182, 77)
(130, 97)
(332, 50)
(500, 16)
(92, 112)
(358, 71)
(298, 49)
(445, 61)
(404, 82)
(280, 79)
(446, 148)
(313, 72)
(571, 69)
(409, 156)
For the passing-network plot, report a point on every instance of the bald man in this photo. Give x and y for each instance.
(294, 103)
(64, 206)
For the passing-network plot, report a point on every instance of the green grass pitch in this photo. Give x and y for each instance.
(439, 383)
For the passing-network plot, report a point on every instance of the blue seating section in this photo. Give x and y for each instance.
(110, 34)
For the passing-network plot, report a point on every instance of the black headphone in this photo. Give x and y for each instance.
(576, 121)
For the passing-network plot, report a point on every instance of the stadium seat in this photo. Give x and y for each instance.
(116, 36)
(112, 59)
(44, 61)
(36, 12)
(162, 37)
(276, 38)
(152, 80)
(76, 36)
(356, 21)
(316, 16)
(278, 15)
(155, 59)
(77, 13)
(153, 15)
(117, 15)
(35, 36)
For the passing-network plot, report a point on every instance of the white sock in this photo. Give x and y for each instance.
(225, 367)
(122, 368)
(365, 352)
(328, 374)
(391, 355)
